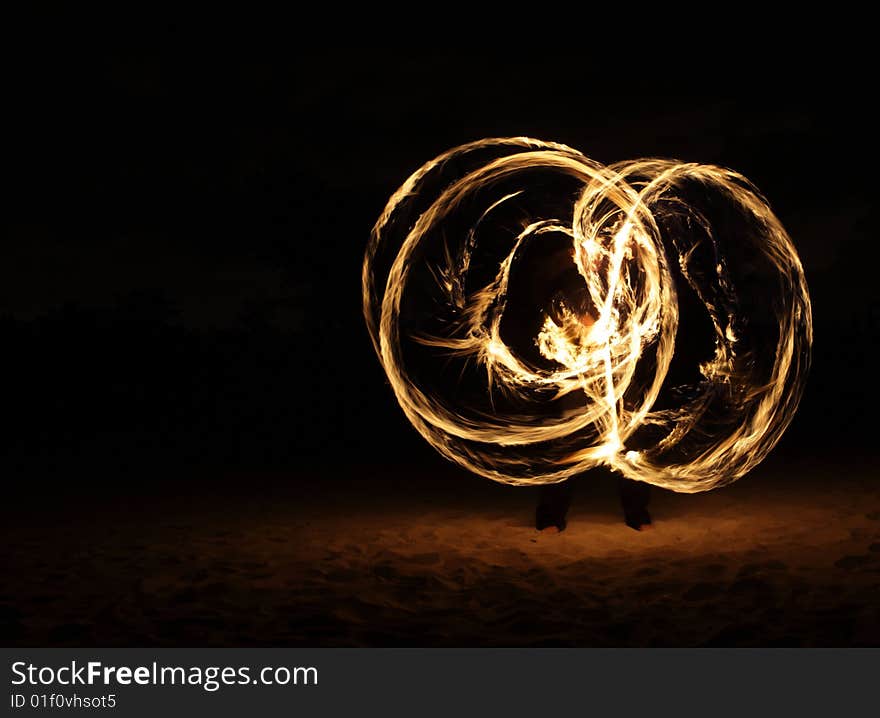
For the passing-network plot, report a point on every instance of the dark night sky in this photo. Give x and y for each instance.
(185, 231)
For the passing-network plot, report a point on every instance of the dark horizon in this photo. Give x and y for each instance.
(190, 237)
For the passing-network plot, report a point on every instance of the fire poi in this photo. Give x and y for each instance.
(529, 392)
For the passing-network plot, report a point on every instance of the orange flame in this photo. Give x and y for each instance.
(615, 361)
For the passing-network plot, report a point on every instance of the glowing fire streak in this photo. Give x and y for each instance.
(734, 415)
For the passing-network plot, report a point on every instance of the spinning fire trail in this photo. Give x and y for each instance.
(598, 378)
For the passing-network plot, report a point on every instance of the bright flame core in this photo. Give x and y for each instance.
(438, 282)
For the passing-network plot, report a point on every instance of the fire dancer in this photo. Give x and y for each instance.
(554, 500)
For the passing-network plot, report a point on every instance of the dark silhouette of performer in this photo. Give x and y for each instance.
(555, 499)
(552, 282)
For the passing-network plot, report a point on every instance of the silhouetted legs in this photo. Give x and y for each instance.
(634, 498)
(554, 501)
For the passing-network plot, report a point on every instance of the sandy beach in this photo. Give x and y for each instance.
(379, 556)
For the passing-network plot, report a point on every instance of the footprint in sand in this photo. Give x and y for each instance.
(187, 596)
(385, 571)
(713, 569)
(754, 569)
(753, 588)
(701, 592)
(648, 571)
(342, 575)
(850, 562)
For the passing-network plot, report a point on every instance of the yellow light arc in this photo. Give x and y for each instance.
(618, 361)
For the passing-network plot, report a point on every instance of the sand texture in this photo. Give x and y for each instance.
(789, 556)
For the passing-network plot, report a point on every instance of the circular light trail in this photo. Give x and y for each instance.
(661, 251)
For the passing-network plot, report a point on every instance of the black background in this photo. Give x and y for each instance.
(180, 275)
